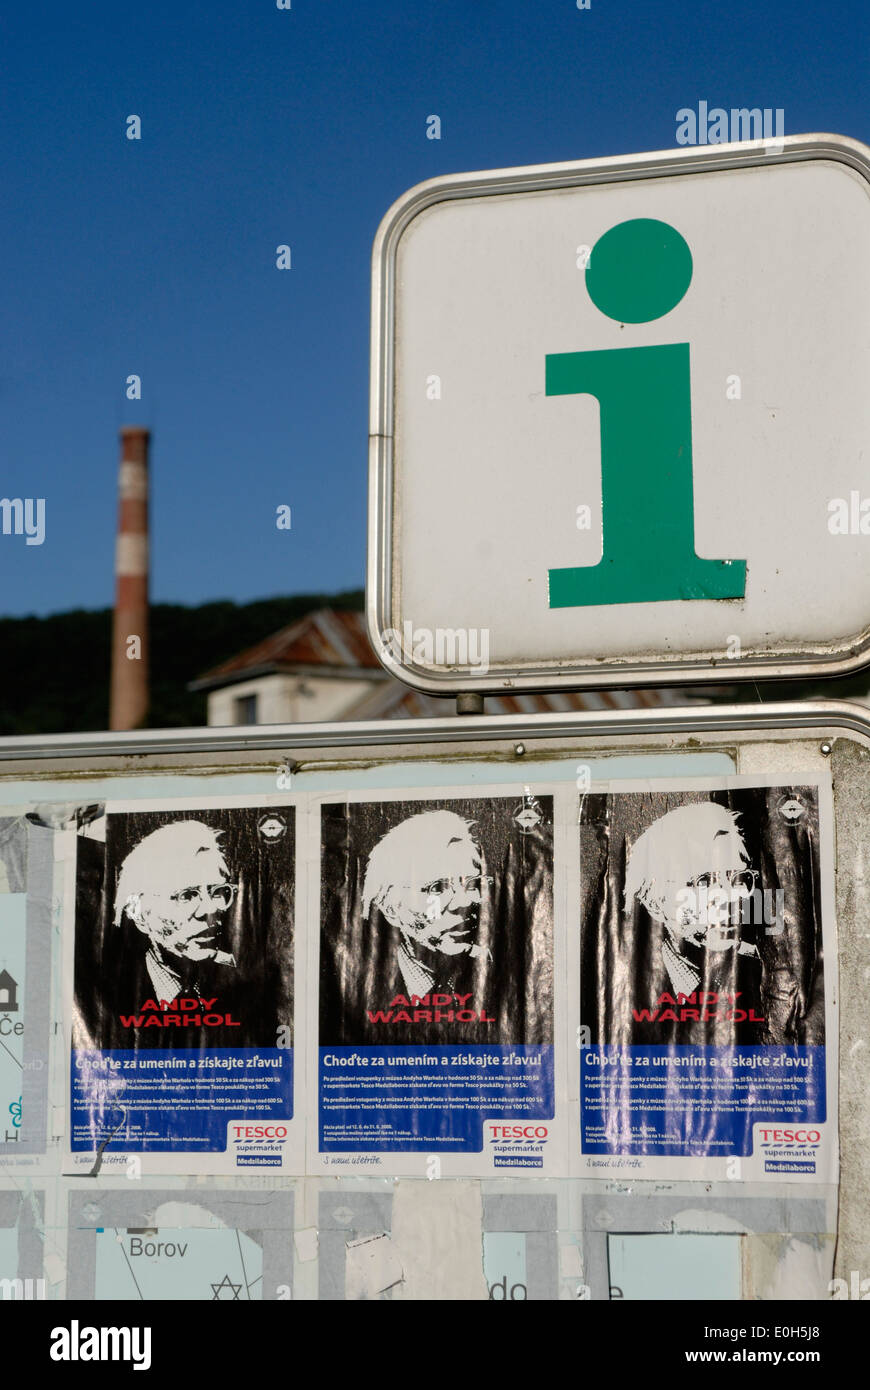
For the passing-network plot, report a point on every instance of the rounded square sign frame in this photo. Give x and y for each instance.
(384, 614)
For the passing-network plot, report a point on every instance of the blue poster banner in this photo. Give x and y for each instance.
(436, 975)
(160, 1101)
(699, 1101)
(182, 1036)
(428, 1098)
(707, 1025)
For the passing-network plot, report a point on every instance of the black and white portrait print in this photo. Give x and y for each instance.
(437, 921)
(701, 917)
(184, 929)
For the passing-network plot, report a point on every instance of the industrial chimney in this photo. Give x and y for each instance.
(129, 690)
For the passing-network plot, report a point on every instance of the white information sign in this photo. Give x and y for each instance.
(620, 423)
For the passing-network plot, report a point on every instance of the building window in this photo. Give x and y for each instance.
(246, 709)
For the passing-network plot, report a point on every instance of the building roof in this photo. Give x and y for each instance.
(398, 701)
(332, 643)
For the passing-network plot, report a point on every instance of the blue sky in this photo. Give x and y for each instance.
(263, 126)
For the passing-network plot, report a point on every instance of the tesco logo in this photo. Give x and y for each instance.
(519, 1131)
(812, 1137)
(260, 1131)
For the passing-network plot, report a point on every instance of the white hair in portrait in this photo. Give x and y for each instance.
(412, 852)
(165, 857)
(676, 848)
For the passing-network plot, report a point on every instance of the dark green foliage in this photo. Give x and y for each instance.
(56, 669)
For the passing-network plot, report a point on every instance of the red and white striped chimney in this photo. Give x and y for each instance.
(129, 690)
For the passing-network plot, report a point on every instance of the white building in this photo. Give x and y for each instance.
(322, 668)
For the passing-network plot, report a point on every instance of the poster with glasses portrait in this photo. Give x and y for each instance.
(707, 959)
(183, 984)
(436, 981)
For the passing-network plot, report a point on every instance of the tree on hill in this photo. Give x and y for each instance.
(57, 668)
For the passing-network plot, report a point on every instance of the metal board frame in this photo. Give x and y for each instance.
(835, 658)
(334, 747)
(148, 747)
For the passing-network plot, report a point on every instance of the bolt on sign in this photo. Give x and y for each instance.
(620, 423)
